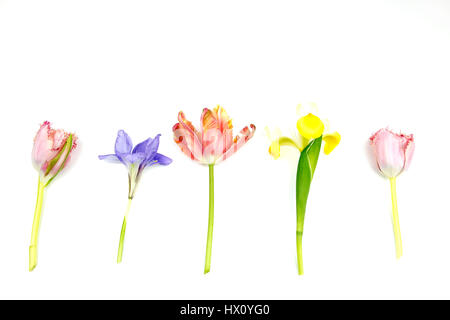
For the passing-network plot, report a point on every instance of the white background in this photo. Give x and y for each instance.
(95, 67)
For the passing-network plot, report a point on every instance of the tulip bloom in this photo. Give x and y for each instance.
(307, 140)
(393, 153)
(136, 160)
(213, 143)
(51, 153)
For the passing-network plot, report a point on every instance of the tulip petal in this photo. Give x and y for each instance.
(310, 126)
(187, 137)
(393, 152)
(183, 139)
(58, 163)
(244, 135)
(331, 141)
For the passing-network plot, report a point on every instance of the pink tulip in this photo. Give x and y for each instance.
(393, 152)
(51, 151)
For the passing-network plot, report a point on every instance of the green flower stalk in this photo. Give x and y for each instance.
(308, 142)
(136, 159)
(213, 143)
(393, 154)
(51, 153)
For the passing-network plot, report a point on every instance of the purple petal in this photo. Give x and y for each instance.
(151, 148)
(132, 158)
(123, 143)
(109, 157)
(162, 159)
(140, 147)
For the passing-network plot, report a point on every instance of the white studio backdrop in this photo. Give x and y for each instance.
(95, 67)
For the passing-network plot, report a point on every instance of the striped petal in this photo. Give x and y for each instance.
(243, 136)
(184, 140)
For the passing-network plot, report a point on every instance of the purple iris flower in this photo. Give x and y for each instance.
(143, 155)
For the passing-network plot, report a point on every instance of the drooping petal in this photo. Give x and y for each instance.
(310, 126)
(244, 135)
(109, 157)
(393, 152)
(331, 141)
(274, 148)
(162, 159)
(123, 143)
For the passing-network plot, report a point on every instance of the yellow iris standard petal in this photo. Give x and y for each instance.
(310, 126)
(331, 141)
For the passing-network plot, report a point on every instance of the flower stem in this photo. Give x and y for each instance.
(395, 220)
(210, 219)
(122, 232)
(35, 228)
(299, 252)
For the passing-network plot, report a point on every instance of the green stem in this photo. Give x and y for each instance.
(300, 208)
(210, 219)
(35, 228)
(299, 252)
(122, 232)
(395, 220)
(305, 172)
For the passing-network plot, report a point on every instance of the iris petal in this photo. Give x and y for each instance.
(140, 147)
(152, 148)
(331, 141)
(109, 157)
(123, 143)
(274, 148)
(310, 126)
(162, 159)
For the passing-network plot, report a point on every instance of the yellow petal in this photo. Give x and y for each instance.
(331, 141)
(310, 126)
(274, 148)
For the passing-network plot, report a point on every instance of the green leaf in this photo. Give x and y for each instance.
(65, 150)
(305, 172)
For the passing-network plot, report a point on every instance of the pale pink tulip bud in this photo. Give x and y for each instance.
(51, 151)
(393, 152)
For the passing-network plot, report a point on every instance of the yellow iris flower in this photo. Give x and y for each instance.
(309, 127)
(308, 137)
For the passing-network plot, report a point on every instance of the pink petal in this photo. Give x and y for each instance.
(393, 152)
